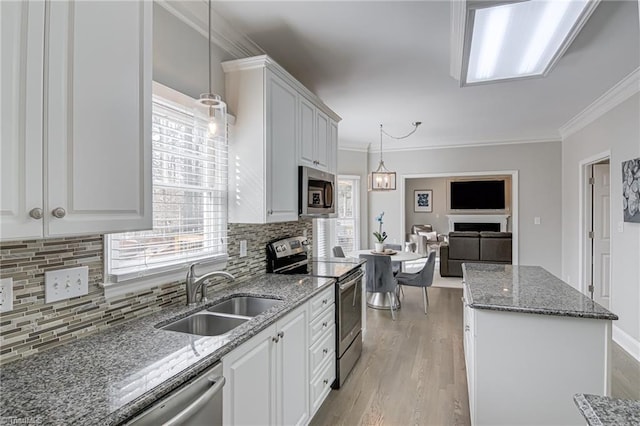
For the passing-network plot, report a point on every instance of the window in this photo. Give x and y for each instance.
(189, 168)
(344, 230)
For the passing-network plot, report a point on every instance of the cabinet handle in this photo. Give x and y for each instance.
(281, 335)
(324, 324)
(325, 381)
(59, 212)
(36, 213)
(269, 211)
(324, 301)
(467, 328)
(325, 351)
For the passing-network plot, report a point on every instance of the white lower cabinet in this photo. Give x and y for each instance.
(268, 376)
(322, 347)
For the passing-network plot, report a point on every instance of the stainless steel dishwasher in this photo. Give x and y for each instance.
(197, 403)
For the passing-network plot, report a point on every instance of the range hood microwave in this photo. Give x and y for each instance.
(316, 196)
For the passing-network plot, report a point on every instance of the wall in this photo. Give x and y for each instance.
(539, 166)
(355, 163)
(618, 131)
(440, 203)
(35, 326)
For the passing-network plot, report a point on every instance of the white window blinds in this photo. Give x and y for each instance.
(347, 223)
(189, 169)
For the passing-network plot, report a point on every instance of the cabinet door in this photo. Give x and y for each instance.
(22, 26)
(293, 369)
(98, 117)
(322, 141)
(333, 147)
(282, 170)
(249, 393)
(307, 121)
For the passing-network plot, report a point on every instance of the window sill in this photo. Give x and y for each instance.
(179, 273)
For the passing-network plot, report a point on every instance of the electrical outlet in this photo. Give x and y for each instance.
(536, 220)
(243, 248)
(66, 283)
(6, 294)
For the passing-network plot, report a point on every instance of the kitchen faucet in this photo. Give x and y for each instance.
(195, 283)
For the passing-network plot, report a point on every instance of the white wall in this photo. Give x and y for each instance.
(355, 163)
(539, 167)
(617, 131)
(180, 56)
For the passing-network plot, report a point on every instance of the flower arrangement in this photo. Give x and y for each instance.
(380, 236)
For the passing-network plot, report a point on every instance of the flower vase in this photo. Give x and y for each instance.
(379, 247)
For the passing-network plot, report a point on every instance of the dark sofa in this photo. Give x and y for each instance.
(476, 247)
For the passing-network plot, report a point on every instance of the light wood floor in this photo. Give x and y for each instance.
(412, 370)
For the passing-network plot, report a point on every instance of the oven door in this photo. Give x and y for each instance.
(349, 310)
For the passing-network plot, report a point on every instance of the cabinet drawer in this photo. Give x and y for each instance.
(322, 301)
(322, 350)
(321, 324)
(321, 384)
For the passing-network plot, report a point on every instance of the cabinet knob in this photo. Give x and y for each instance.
(281, 335)
(325, 381)
(36, 213)
(275, 339)
(324, 324)
(59, 212)
(325, 351)
(324, 301)
(269, 211)
(467, 328)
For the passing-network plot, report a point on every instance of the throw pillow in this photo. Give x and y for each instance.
(431, 236)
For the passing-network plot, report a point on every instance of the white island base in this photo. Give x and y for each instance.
(523, 369)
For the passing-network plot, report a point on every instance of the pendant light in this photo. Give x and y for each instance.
(216, 108)
(383, 179)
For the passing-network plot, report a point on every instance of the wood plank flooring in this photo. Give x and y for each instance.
(412, 370)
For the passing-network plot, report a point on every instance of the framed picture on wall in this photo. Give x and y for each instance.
(423, 201)
(631, 190)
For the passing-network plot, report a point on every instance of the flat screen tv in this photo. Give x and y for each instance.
(477, 195)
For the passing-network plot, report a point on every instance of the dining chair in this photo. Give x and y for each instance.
(379, 278)
(338, 252)
(397, 266)
(423, 279)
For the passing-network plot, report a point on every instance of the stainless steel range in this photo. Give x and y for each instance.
(289, 256)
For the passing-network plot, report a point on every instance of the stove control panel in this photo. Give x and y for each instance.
(290, 246)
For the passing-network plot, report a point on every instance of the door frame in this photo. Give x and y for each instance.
(583, 202)
(514, 199)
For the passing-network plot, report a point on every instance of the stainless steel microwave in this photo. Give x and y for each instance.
(316, 197)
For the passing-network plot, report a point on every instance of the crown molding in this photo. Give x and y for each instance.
(354, 148)
(623, 90)
(478, 144)
(194, 14)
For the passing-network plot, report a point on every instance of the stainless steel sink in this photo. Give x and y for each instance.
(247, 306)
(205, 324)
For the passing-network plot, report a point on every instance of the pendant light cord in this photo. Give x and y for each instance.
(209, 46)
(415, 127)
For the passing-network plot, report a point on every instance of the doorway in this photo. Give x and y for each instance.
(597, 231)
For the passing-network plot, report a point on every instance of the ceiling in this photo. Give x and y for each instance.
(388, 62)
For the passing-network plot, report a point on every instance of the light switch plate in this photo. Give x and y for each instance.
(536, 220)
(66, 283)
(6, 294)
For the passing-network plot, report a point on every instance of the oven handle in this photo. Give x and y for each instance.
(289, 267)
(352, 281)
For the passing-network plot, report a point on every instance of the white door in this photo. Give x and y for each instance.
(98, 117)
(293, 369)
(22, 27)
(249, 393)
(601, 234)
(282, 169)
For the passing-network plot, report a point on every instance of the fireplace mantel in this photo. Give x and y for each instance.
(479, 218)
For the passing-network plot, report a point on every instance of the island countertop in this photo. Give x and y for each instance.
(603, 410)
(106, 378)
(526, 289)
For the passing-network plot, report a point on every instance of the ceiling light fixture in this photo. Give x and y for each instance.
(383, 179)
(505, 40)
(214, 103)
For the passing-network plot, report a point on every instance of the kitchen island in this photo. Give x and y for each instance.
(107, 378)
(531, 342)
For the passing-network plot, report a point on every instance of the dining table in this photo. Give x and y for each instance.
(378, 300)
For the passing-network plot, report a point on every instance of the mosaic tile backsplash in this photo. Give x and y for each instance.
(34, 326)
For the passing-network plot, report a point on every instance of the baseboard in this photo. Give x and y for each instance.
(626, 342)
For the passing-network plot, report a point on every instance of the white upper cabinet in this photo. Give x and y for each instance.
(277, 129)
(80, 126)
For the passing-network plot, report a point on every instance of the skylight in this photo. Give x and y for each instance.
(514, 39)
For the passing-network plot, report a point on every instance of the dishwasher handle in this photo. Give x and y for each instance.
(201, 401)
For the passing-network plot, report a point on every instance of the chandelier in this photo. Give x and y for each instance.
(382, 179)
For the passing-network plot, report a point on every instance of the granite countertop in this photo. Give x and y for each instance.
(603, 410)
(105, 378)
(528, 289)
